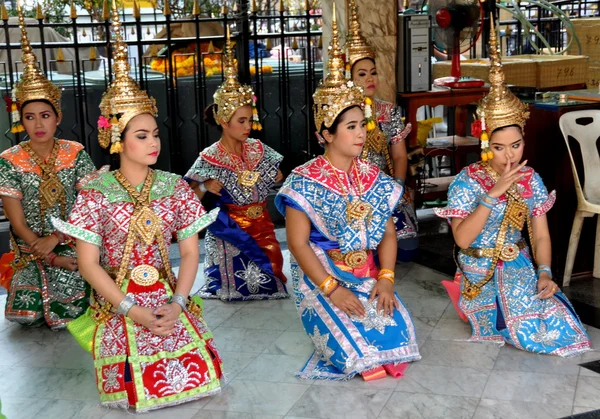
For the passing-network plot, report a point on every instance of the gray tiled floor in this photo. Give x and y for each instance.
(45, 374)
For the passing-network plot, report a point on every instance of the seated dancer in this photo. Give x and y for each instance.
(503, 286)
(338, 212)
(150, 344)
(385, 146)
(243, 256)
(39, 179)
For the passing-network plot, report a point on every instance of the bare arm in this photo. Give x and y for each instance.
(543, 255)
(297, 226)
(388, 247)
(400, 159)
(188, 268)
(88, 259)
(465, 231)
(14, 211)
(196, 188)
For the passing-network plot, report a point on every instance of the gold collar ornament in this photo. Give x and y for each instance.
(335, 93)
(33, 85)
(500, 107)
(357, 47)
(232, 95)
(124, 99)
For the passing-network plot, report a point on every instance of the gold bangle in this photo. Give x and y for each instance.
(327, 285)
(386, 272)
(389, 278)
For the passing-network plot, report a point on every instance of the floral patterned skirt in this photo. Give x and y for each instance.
(137, 368)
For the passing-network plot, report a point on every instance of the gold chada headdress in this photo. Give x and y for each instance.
(33, 85)
(232, 95)
(500, 107)
(357, 47)
(335, 93)
(124, 99)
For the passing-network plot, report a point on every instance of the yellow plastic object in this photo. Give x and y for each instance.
(423, 128)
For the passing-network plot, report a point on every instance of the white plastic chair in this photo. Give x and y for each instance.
(588, 197)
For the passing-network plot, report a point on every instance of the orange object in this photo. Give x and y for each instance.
(255, 220)
(6, 269)
(374, 374)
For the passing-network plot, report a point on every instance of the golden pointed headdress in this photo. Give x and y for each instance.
(124, 99)
(232, 95)
(500, 107)
(335, 93)
(357, 47)
(33, 84)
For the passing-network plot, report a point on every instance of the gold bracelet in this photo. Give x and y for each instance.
(327, 285)
(389, 278)
(386, 272)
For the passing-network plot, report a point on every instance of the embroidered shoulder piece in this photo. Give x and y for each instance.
(217, 156)
(23, 162)
(107, 185)
(479, 173)
(321, 171)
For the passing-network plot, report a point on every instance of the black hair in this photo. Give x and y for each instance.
(362, 59)
(333, 128)
(508, 126)
(47, 102)
(209, 116)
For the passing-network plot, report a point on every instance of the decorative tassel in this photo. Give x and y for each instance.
(486, 151)
(16, 127)
(256, 125)
(116, 147)
(371, 125)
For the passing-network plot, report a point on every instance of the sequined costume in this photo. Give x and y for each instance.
(243, 256)
(39, 292)
(390, 130)
(159, 370)
(505, 311)
(346, 346)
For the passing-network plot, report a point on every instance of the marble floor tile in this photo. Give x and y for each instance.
(581, 409)
(428, 406)
(216, 414)
(531, 387)
(357, 382)
(594, 335)
(512, 359)
(235, 362)
(424, 327)
(275, 369)
(284, 304)
(498, 409)
(244, 340)
(402, 269)
(343, 403)
(262, 318)
(450, 313)
(408, 288)
(292, 343)
(430, 307)
(63, 354)
(217, 312)
(459, 354)
(446, 381)
(451, 329)
(179, 412)
(41, 334)
(12, 351)
(588, 392)
(257, 397)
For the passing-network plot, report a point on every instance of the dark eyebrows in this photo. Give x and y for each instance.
(351, 122)
(519, 140)
(142, 130)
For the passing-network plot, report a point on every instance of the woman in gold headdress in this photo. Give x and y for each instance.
(385, 146)
(150, 344)
(243, 256)
(503, 286)
(38, 180)
(338, 212)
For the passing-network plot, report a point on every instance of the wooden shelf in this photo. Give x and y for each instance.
(434, 188)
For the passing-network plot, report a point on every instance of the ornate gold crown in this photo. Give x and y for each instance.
(33, 85)
(124, 99)
(500, 107)
(232, 95)
(335, 93)
(357, 46)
